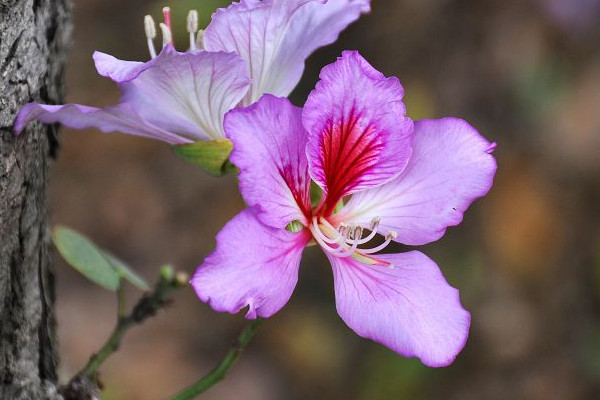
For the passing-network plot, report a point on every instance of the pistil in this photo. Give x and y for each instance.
(167, 16)
(165, 28)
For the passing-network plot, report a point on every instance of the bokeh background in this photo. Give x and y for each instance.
(526, 258)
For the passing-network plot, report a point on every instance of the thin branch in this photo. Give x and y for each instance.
(121, 302)
(220, 371)
(145, 308)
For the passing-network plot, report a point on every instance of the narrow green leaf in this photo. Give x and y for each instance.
(126, 272)
(211, 156)
(83, 255)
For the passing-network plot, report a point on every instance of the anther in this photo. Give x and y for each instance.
(200, 40)
(166, 34)
(357, 234)
(344, 229)
(350, 233)
(375, 223)
(150, 30)
(192, 27)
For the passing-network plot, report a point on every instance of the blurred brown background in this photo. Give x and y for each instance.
(526, 73)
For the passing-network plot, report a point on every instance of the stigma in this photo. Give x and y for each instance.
(344, 241)
(196, 35)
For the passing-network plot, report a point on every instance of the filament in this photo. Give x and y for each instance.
(321, 235)
(388, 238)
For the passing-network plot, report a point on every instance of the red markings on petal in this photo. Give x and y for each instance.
(349, 149)
(299, 184)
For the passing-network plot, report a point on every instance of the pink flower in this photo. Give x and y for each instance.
(407, 182)
(275, 37)
(250, 48)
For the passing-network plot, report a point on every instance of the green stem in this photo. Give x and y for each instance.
(145, 308)
(111, 346)
(219, 372)
(121, 300)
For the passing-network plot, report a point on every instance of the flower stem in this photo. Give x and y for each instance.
(146, 307)
(219, 372)
(121, 302)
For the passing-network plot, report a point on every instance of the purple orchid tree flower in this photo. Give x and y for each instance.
(408, 182)
(275, 37)
(176, 97)
(250, 48)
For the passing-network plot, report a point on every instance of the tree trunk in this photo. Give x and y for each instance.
(33, 40)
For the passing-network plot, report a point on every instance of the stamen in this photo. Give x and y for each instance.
(388, 238)
(200, 40)
(355, 234)
(321, 235)
(166, 34)
(322, 239)
(347, 252)
(344, 241)
(326, 242)
(192, 27)
(150, 30)
(343, 229)
(343, 226)
(374, 225)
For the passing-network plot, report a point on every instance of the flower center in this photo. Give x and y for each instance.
(196, 34)
(346, 239)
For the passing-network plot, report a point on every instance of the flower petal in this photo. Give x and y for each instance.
(409, 308)
(359, 135)
(451, 166)
(269, 149)
(118, 70)
(253, 266)
(275, 37)
(189, 93)
(120, 118)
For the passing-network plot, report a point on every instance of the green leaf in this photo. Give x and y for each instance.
(126, 272)
(211, 156)
(83, 255)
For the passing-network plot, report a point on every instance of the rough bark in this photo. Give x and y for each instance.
(33, 40)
